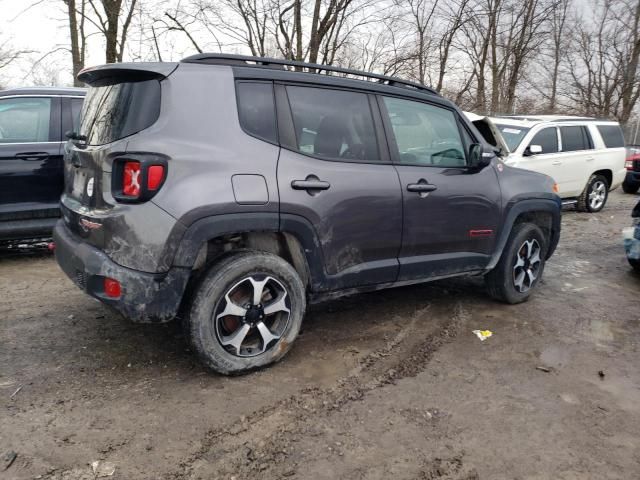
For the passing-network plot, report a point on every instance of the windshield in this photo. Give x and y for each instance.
(512, 135)
(112, 112)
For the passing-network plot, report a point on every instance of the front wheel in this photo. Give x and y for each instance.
(595, 194)
(635, 263)
(520, 267)
(246, 312)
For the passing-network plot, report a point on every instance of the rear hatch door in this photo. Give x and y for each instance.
(122, 100)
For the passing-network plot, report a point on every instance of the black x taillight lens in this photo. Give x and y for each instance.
(137, 178)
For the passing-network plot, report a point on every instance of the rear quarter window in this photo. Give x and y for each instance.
(115, 111)
(256, 110)
(611, 135)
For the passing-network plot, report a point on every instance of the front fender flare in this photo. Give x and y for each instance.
(518, 207)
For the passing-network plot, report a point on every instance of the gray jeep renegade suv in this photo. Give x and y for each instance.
(233, 190)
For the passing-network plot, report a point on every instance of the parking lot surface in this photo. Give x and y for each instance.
(390, 384)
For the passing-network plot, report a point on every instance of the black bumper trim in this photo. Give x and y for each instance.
(146, 297)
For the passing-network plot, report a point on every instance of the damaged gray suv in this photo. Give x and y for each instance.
(232, 191)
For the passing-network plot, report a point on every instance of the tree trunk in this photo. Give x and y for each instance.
(77, 40)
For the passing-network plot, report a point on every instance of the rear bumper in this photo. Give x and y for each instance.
(23, 229)
(145, 298)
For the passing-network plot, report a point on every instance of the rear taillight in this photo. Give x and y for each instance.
(112, 288)
(155, 176)
(628, 164)
(139, 178)
(131, 179)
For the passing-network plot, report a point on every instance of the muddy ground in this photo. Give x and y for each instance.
(386, 385)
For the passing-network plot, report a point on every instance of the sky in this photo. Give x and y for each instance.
(44, 28)
(40, 29)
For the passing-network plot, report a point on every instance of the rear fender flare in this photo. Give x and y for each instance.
(214, 226)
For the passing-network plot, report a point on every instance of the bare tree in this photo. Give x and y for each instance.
(596, 67)
(76, 11)
(559, 47)
(112, 18)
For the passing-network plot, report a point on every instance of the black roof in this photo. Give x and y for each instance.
(275, 68)
(63, 91)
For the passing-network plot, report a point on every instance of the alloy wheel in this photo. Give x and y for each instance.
(527, 265)
(252, 316)
(598, 195)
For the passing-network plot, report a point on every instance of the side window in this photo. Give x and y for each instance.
(574, 139)
(256, 110)
(25, 120)
(547, 138)
(611, 135)
(425, 134)
(76, 108)
(333, 124)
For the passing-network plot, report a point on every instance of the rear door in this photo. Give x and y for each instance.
(31, 173)
(335, 174)
(450, 212)
(577, 159)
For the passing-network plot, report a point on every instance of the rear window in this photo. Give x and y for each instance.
(333, 124)
(612, 136)
(112, 112)
(512, 135)
(25, 120)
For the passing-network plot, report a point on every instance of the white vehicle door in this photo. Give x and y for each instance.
(577, 159)
(541, 155)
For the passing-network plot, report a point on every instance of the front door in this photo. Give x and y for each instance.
(31, 173)
(335, 176)
(450, 212)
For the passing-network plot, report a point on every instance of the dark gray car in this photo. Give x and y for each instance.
(234, 190)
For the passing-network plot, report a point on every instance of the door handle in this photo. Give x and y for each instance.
(590, 159)
(556, 162)
(421, 187)
(32, 156)
(310, 183)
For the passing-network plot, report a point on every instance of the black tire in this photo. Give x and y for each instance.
(630, 187)
(235, 275)
(501, 281)
(585, 203)
(634, 263)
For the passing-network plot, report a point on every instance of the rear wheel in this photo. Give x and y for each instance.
(630, 187)
(247, 312)
(520, 267)
(595, 194)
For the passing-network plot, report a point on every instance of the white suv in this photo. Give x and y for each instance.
(584, 156)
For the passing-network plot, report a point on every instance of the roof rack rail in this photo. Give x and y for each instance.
(266, 62)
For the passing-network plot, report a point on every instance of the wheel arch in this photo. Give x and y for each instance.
(545, 213)
(293, 238)
(606, 173)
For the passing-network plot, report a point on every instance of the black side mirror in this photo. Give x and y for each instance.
(479, 157)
